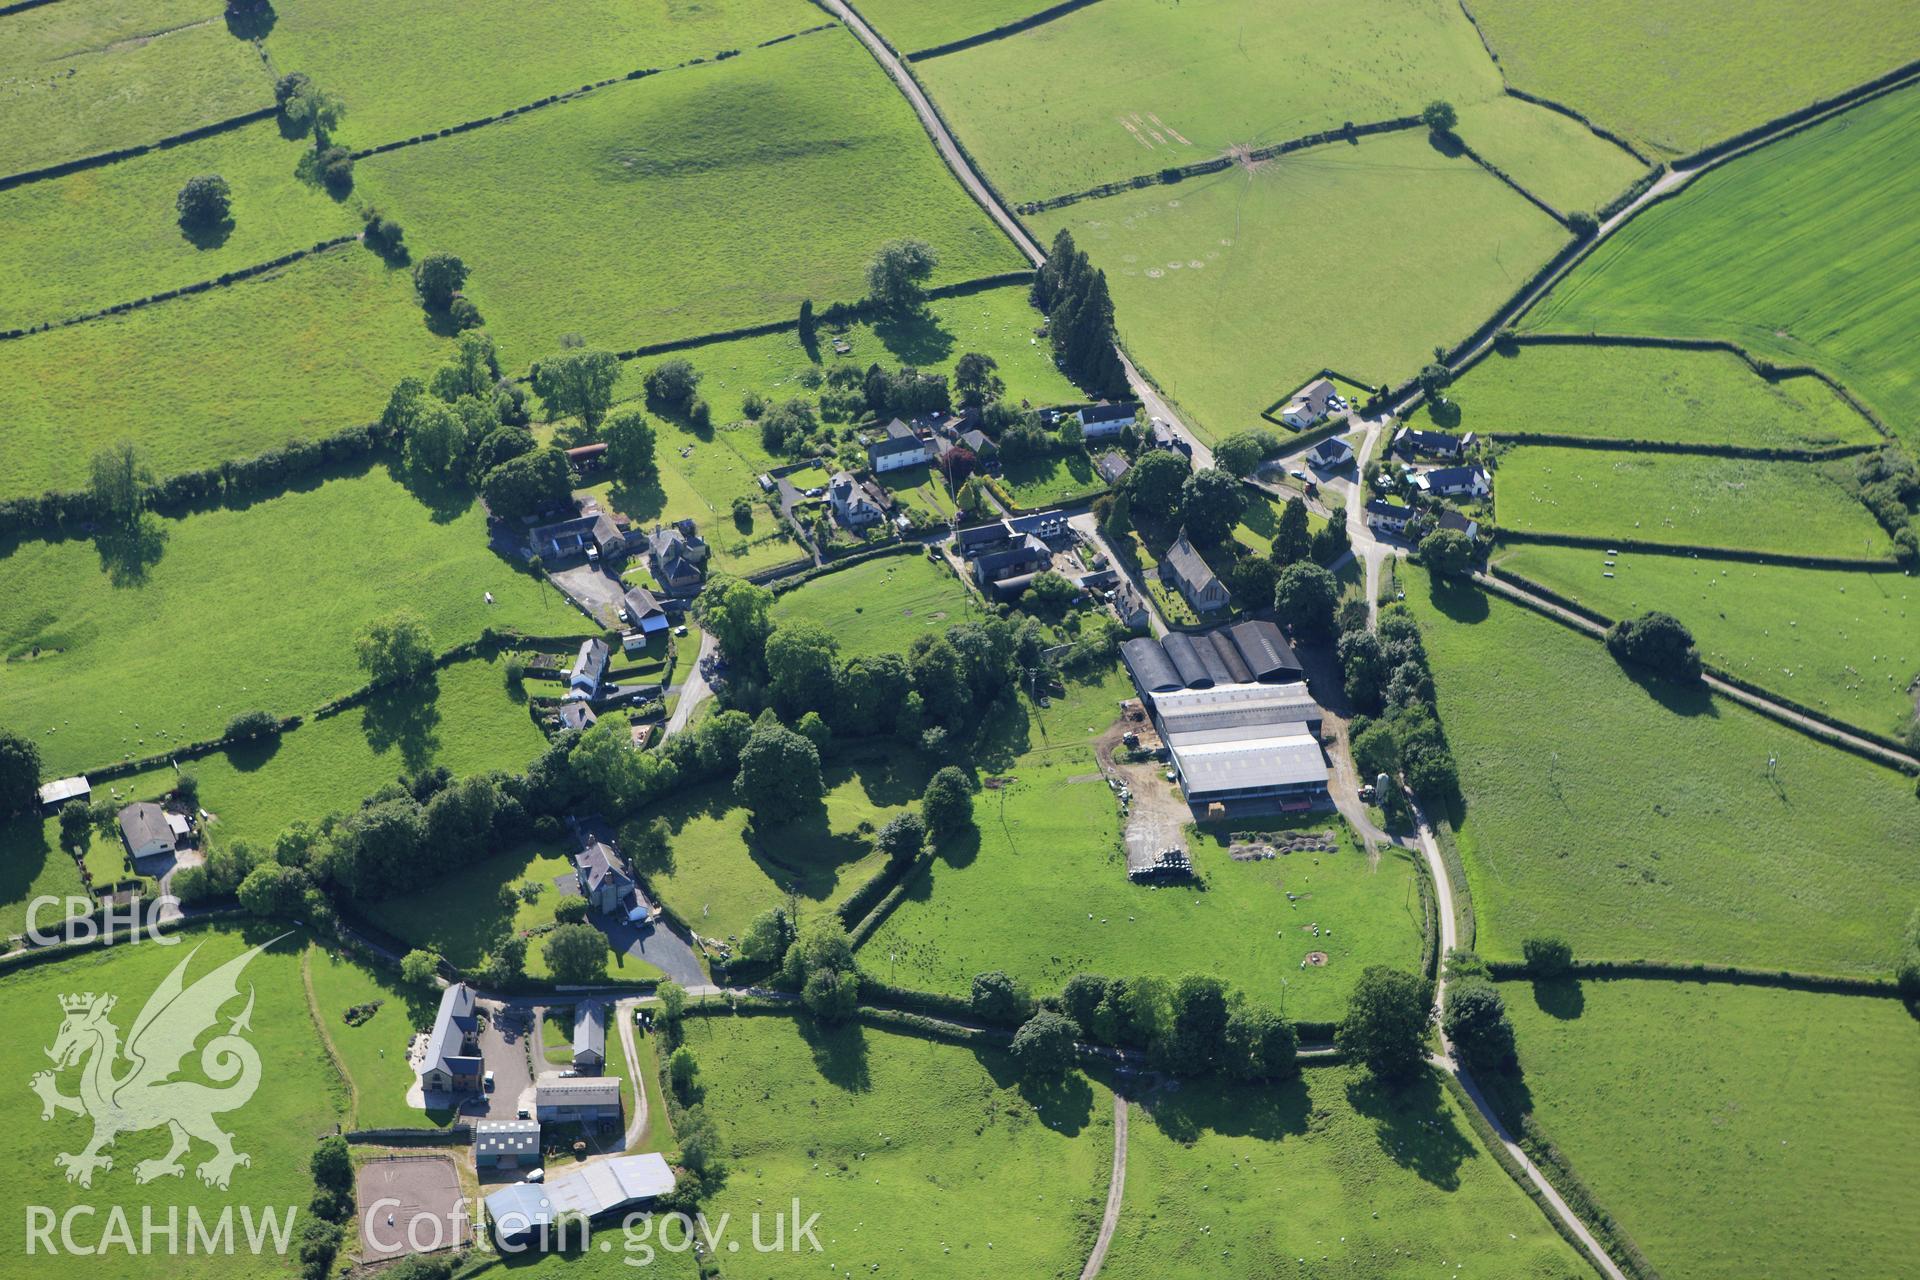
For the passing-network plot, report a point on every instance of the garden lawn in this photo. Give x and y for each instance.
(250, 609)
(1642, 821)
(1260, 521)
(1237, 287)
(87, 76)
(1038, 483)
(300, 1098)
(1801, 252)
(1555, 157)
(442, 62)
(912, 25)
(922, 1158)
(997, 322)
(110, 235)
(1846, 644)
(1644, 393)
(1674, 81)
(463, 719)
(1178, 84)
(373, 1054)
(1795, 508)
(880, 606)
(701, 487)
(919, 488)
(230, 373)
(1356, 1180)
(697, 201)
(721, 872)
(32, 865)
(1733, 1131)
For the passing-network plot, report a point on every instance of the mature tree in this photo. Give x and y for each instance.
(1386, 1022)
(528, 484)
(1376, 751)
(630, 448)
(1252, 580)
(1548, 956)
(206, 201)
(497, 446)
(332, 1163)
(737, 614)
(506, 963)
(439, 276)
(947, 804)
(975, 379)
(682, 1067)
(1081, 998)
(997, 998)
(119, 482)
(437, 442)
(673, 1001)
(1476, 1024)
(820, 963)
(1051, 590)
(577, 383)
(1363, 664)
(800, 667)
(1306, 597)
(1331, 541)
(1043, 1047)
(395, 647)
(76, 828)
(1260, 1045)
(897, 276)
(1583, 224)
(1657, 641)
(473, 370)
(273, 891)
(1199, 1008)
(766, 938)
(1292, 539)
(576, 953)
(1440, 116)
(308, 106)
(419, 968)
(1435, 378)
(287, 86)
(779, 775)
(671, 383)
(1240, 454)
(1448, 552)
(1209, 506)
(902, 838)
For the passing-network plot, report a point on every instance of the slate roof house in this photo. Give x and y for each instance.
(1451, 519)
(1183, 569)
(974, 539)
(1026, 554)
(1409, 443)
(453, 1063)
(589, 668)
(145, 828)
(604, 883)
(1454, 482)
(678, 553)
(899, 445)
(572, 537)
(576, 715)
(1390, 516)
(589, 1036)
(851, 503)
(643, 611)
(1308, 405)
(1108, 418)
(1331, 454)
(1111, 465)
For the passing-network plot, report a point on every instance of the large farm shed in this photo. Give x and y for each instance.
(526, 1208)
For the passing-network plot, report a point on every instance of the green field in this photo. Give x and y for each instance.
(1234, 288)
(912, 25)
(1796, 508)
(462, 719)
(299, 1100)
(373, 1054)
(1557, 158)
(1644, 393)
(921, 1158)
(1038, 483)
(1642, 821)
(696, 201)
(1675, 80)
(1158, 85)
(407, 71)
(110, 235)
(230, 373)
(1844, 643)
(32, 865)
(880, 606)
(217, 626)
(1733, 1131)
(86, 76)
(1347, 1178)
(1801, 253)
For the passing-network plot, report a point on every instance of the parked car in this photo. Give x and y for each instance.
(536, 1175)
(487, 1082)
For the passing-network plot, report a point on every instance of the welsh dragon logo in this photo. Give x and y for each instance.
(144, 1095)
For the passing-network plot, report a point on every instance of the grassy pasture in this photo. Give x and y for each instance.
(1235, 287)
(1640, 821)
(463, 720)
(912, 25)
(1800, 252)
(722, 871)
(1844, 643)
(1733, 1131)
(1555, 157)
(1645, 393)
(403, 72)
(1038, 483)
(32, 865)
(1182, 83)
(299, 1100)
(880, 606)
(373, 1054)
(711, 197)
(109, 235)
(1347, 1178)
(923, 1158)
(229, 373)
(211, 630)
(86, 76)
(1802, 508)
(1674, 81)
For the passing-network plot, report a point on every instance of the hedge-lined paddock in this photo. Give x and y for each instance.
(1599, 131)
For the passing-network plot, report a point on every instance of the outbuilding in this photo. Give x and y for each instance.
(506, 1144)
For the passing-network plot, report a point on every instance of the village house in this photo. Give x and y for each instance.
(1330, 454)
(150, 830)
(589, 1036)
(1183, 569)
(974, 539)
(1024, 555)
(852, 505)
(604, 882)
(678, 555)
(453, 1063)
(1129, 606)
(1309, 404)
(642, 611)
(1107, 419)
(1451, 519)
(1410, 444)
(1454, 482)
(1111, 466)
(576, 715)
(1389, 517)
(897, 446)
(589, 668)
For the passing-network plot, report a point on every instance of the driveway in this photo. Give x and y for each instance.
(590, 587)
(504, 1046)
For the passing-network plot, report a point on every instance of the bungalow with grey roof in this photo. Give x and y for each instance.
(1183, 568)
(1309, 404)
(1451, 519)
(145, 828)
(1410, 443)
(577, 715)
(1331, 454)
(453, 1062)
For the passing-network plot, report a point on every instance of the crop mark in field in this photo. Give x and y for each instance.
(1150, 131)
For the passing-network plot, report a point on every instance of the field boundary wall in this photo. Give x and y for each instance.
(102, 158)
(1000, 32)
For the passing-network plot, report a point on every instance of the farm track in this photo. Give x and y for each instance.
(1116, 1191)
